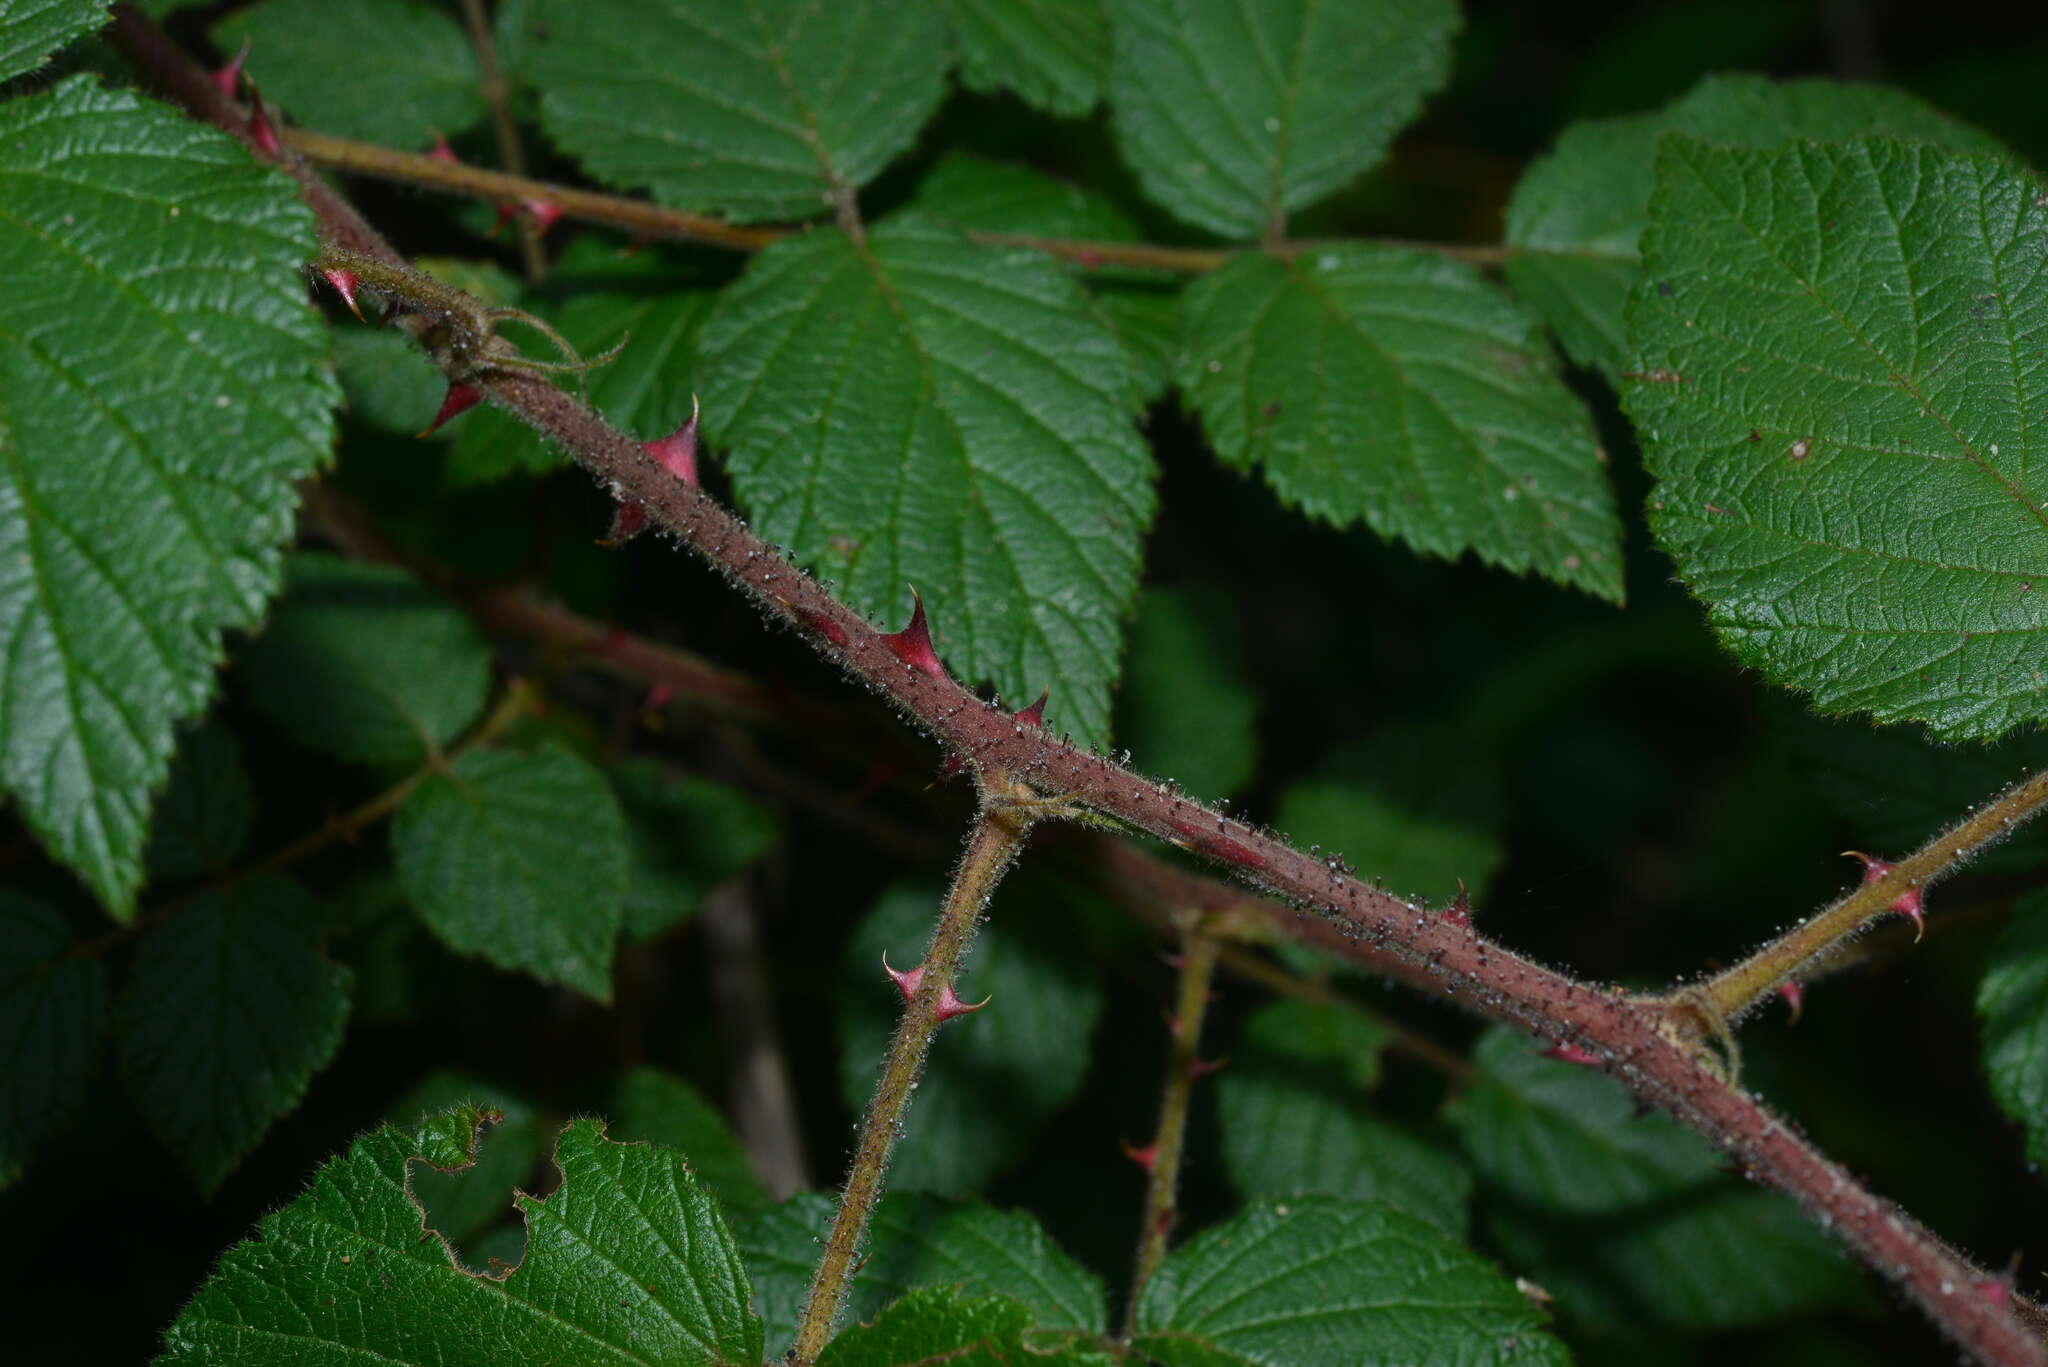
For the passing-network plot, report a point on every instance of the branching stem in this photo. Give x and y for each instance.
(498, 95)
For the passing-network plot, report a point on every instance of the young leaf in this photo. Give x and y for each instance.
(1578, 213)
(519, 857)
(996, 1076)
(627, 1261)
(1008, 482)
(1403, 390)
(2012, 1003)
(389, 71)
(1318, 1282)
(661, 1108)
(757, 111)
(53, 1012)
(936, 1324)
(1837, 401)
(230, 1010)
(1234, 115)
(202, 821)
(363, 662)
(1054, 54)
(1185, 654)
(1295, 1125)
(137, 519)
(918, 1240)
(31, 31)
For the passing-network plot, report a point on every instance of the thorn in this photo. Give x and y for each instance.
(951, 1006)
(344, 283)
(1794, 993)
(260, 130)
(1034, 715)
(544, 214)
(628, 521)
(459, 400)
(1998, 1290)
(1570, 1053)
(677, 452)
(906, 980)
(661, 695)
(913, 644)
(1199, 1068)
(441, 151)
(824, 626)
(1459, 912)
(955, 762)
(1144, 1157)
(229, 78)
(1907, 903)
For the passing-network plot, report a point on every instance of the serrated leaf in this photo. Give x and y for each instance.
(53, 1013)
(141, 506)
(1186, 710)
(231, 1008)
(922, 411)
(942, 1324)
(1577, 214)
(917, 1240)
(519, 857)
(1318, 1281)
(31, 31)
(687, 835)
(1296, 1120)
(1234, 115)
(755, 111)
(993, 1077)
(2012, 1005)
(1403, 390)
(628, 1260)
(365, 663)
(661, 1108)
(388, 71)
(1052, 54)
(1839, 404)
(1626, 1217)
(201, 824)
(459, 1205)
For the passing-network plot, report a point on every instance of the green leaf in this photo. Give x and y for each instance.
(460, 1205)
(993, 1077)
(53, 1013)
(390, 386)
(141, 506)
(756, 111)
(918, 1240)
(1403, 390)
(1294, 1124)
(2012, 1004)
(230, 1010)
(1187, 711)
(364, 662)
(942, 1324)
(1053, 54)
(202, 821)
(1577, 214)
(1627, 1217)
(661, 1108)
(387, 71)
(519, 857)
(1402, 816)
(628, 1261)
(31, 31)
(920, 411)
(1838, 407)
(1235, 115)
(687, 835)
(1318, 1281)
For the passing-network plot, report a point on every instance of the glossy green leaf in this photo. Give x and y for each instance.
(459, 1205)
(201, 824)
(926, 412)
(1577, 214)
(31, 31)
(519, 857)
(231, 1008)
(1318, 1282)
(943, 1324)
(687, 835)
(53, 1013)
(993, 1077)
(1234, 115)
(1297, 1121)
(141, 506)
(1403, 390)
(1053, 54)
(1626, 1217)
(2012, 1003)
(917, 1240)
(756, 111)
(387, 71)
(627, 1261)
(1839, 405)
(1186, 711)
(661, 1108)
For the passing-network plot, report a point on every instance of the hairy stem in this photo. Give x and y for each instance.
(998, 833)
(1198, 954)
